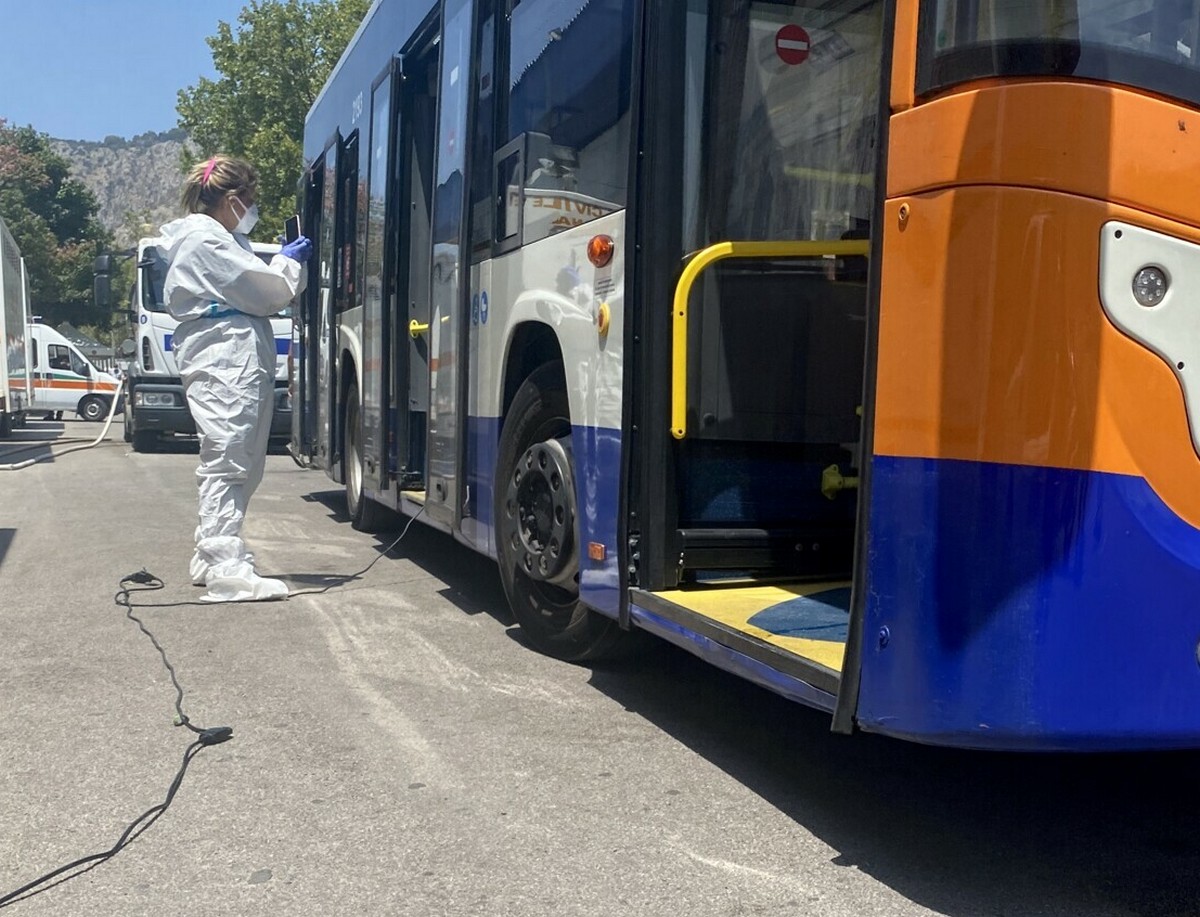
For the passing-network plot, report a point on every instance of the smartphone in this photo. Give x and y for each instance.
(291, 229)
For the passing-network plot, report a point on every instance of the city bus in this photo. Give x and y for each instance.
(847, 344)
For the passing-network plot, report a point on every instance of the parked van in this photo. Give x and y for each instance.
(64, 379)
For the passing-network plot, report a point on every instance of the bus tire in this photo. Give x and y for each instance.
(365, 515)
(537, 542)
(93, 408)
(144, 441)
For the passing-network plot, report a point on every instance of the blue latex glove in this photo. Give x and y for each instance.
(298, 250)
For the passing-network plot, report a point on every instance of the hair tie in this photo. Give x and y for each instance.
(208, 170)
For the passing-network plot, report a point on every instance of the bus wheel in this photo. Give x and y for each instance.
(365, 515)
(536, 539)
(93, 408)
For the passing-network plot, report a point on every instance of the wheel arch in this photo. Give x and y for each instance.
(531, 344)
(348, 374)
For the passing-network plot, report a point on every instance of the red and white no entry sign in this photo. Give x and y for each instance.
(792, 45)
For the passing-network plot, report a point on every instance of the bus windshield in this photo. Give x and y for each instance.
(789, 91)
(1148, 44)
(154, 266)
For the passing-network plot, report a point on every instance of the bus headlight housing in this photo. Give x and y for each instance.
(1150, 285)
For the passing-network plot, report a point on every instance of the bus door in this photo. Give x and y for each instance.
(379, 286)
(767, 422)
(447, 366)
(756, 219)
(410, 330)
(345, 275)
(322, 338)
(305, 352)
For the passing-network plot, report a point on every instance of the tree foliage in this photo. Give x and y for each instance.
(272, 66)
(53, 219)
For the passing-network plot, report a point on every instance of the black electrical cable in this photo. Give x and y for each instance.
(349, 577)
(151, 583)
(141, 581)
(144, 581)
(135, 829)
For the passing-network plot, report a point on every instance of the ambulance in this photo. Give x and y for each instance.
(64, 380)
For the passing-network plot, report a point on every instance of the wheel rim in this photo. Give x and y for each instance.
(92, 410)
(538, 524)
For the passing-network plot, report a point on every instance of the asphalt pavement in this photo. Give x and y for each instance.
(397, 750)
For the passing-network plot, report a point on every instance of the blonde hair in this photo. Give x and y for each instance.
(210, 181)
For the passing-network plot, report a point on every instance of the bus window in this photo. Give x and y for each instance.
(1151, 44)
(573, 110)
(801, 133)
(347, 226)
(483, 144)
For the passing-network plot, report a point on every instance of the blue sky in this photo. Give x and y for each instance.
(85, 69)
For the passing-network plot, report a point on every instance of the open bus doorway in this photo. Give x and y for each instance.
(769, 333)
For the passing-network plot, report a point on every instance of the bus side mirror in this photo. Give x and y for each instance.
(102, 282)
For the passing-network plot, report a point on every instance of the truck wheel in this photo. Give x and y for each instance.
(93, 408)
(144, 441)
(365, 515)
(537, 538)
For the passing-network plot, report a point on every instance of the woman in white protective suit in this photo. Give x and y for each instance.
(222, 294)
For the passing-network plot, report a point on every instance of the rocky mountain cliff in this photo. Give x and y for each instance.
(136, 181)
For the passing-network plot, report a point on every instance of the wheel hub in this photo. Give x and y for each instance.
(540, 523)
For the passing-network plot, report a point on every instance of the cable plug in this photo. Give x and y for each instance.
(215, 735)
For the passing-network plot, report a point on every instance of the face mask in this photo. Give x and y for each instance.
(249, 218)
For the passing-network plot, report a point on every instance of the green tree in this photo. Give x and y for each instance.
(271, 69)
(53, 219)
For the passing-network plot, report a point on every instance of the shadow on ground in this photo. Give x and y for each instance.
(962, 833)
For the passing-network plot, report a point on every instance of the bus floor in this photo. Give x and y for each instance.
(808, 621)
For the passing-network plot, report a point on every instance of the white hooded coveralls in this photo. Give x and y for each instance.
(222, 295)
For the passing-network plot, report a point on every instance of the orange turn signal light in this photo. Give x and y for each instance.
(600, 250)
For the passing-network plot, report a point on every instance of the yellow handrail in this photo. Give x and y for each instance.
(683, 291)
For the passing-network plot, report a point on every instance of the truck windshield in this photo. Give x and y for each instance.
(154, 267)
(1148, 44)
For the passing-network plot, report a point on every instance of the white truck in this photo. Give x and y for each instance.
(15, 390)
(154, 402)
(64, 379)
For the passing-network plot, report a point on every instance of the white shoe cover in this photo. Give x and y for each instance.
(236, 581)
(198, 568)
